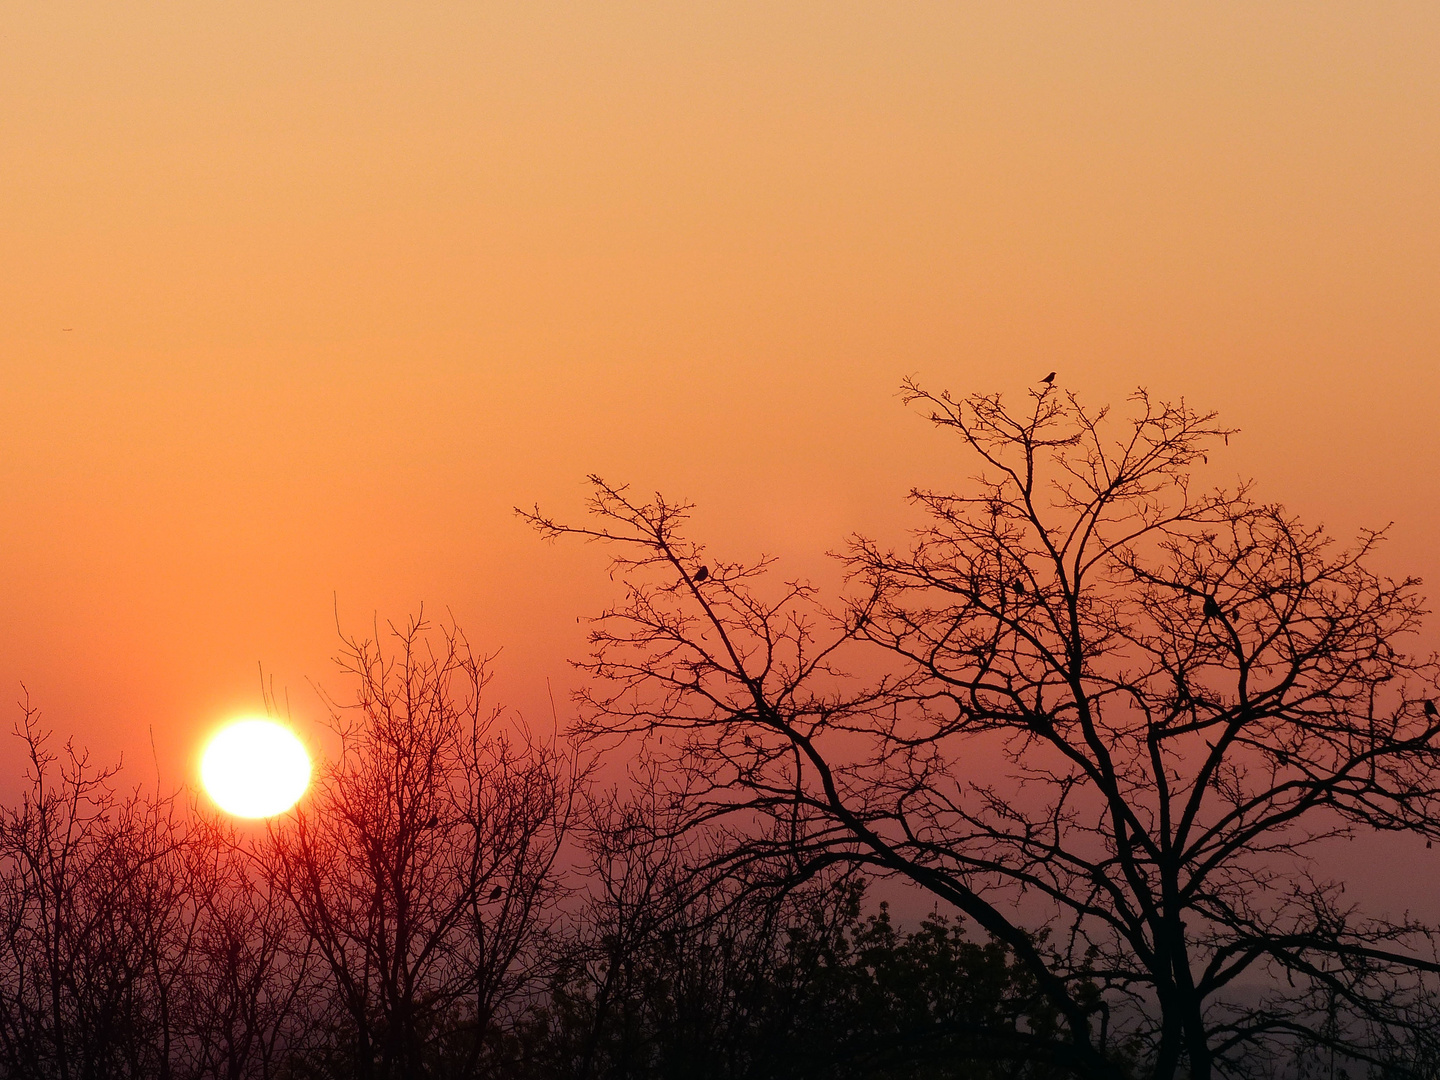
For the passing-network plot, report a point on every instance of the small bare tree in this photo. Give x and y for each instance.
(241, 1003)
(422, 862)
(1146, 707)
(95, 917)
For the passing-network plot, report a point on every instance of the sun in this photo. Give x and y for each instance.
(255, 768)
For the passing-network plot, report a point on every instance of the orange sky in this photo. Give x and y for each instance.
(346, 282)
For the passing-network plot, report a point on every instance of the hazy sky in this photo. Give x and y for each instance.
(300, 299)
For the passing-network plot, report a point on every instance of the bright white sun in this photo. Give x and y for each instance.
(255, 768)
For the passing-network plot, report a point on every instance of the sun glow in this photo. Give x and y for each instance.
(255, 768)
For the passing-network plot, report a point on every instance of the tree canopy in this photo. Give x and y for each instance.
(1182, 694)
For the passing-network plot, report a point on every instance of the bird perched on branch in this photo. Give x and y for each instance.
(1019, 586)
(1212, 609)
(702, 573)
(1429, 707)
(1048, 380)
(496, 893)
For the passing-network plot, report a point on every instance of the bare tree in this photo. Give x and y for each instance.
(241, 1000)
(666, 959)
(422, 863)
(1134, 708)
(95, 921)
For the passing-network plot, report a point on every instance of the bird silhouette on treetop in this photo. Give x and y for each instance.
(702, 573)
(1049, 380)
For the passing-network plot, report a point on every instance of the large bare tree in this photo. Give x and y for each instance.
(1121, 719)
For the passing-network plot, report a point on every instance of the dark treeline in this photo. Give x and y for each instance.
(1110, 726)
(413, 920)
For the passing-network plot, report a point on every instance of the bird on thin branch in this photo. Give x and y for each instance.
(1048, 380)
(496, 893)
(1429, 707)
(1212, 609)
(702, 573)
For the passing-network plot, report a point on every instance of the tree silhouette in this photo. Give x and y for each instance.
(679, 964)
(99, 919)
(136, 940)
(241, 998)
(390, 864)
(1141, 753)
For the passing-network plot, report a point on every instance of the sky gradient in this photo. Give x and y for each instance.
(300, 300)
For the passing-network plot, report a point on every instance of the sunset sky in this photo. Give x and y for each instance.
(299, 300)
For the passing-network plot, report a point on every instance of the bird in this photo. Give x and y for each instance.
(434, 820)
(496, 893)
(1212, 609)
(1019, 586)
(1049, 380)
(1429, 707)
(702, 573)
(747, 740)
